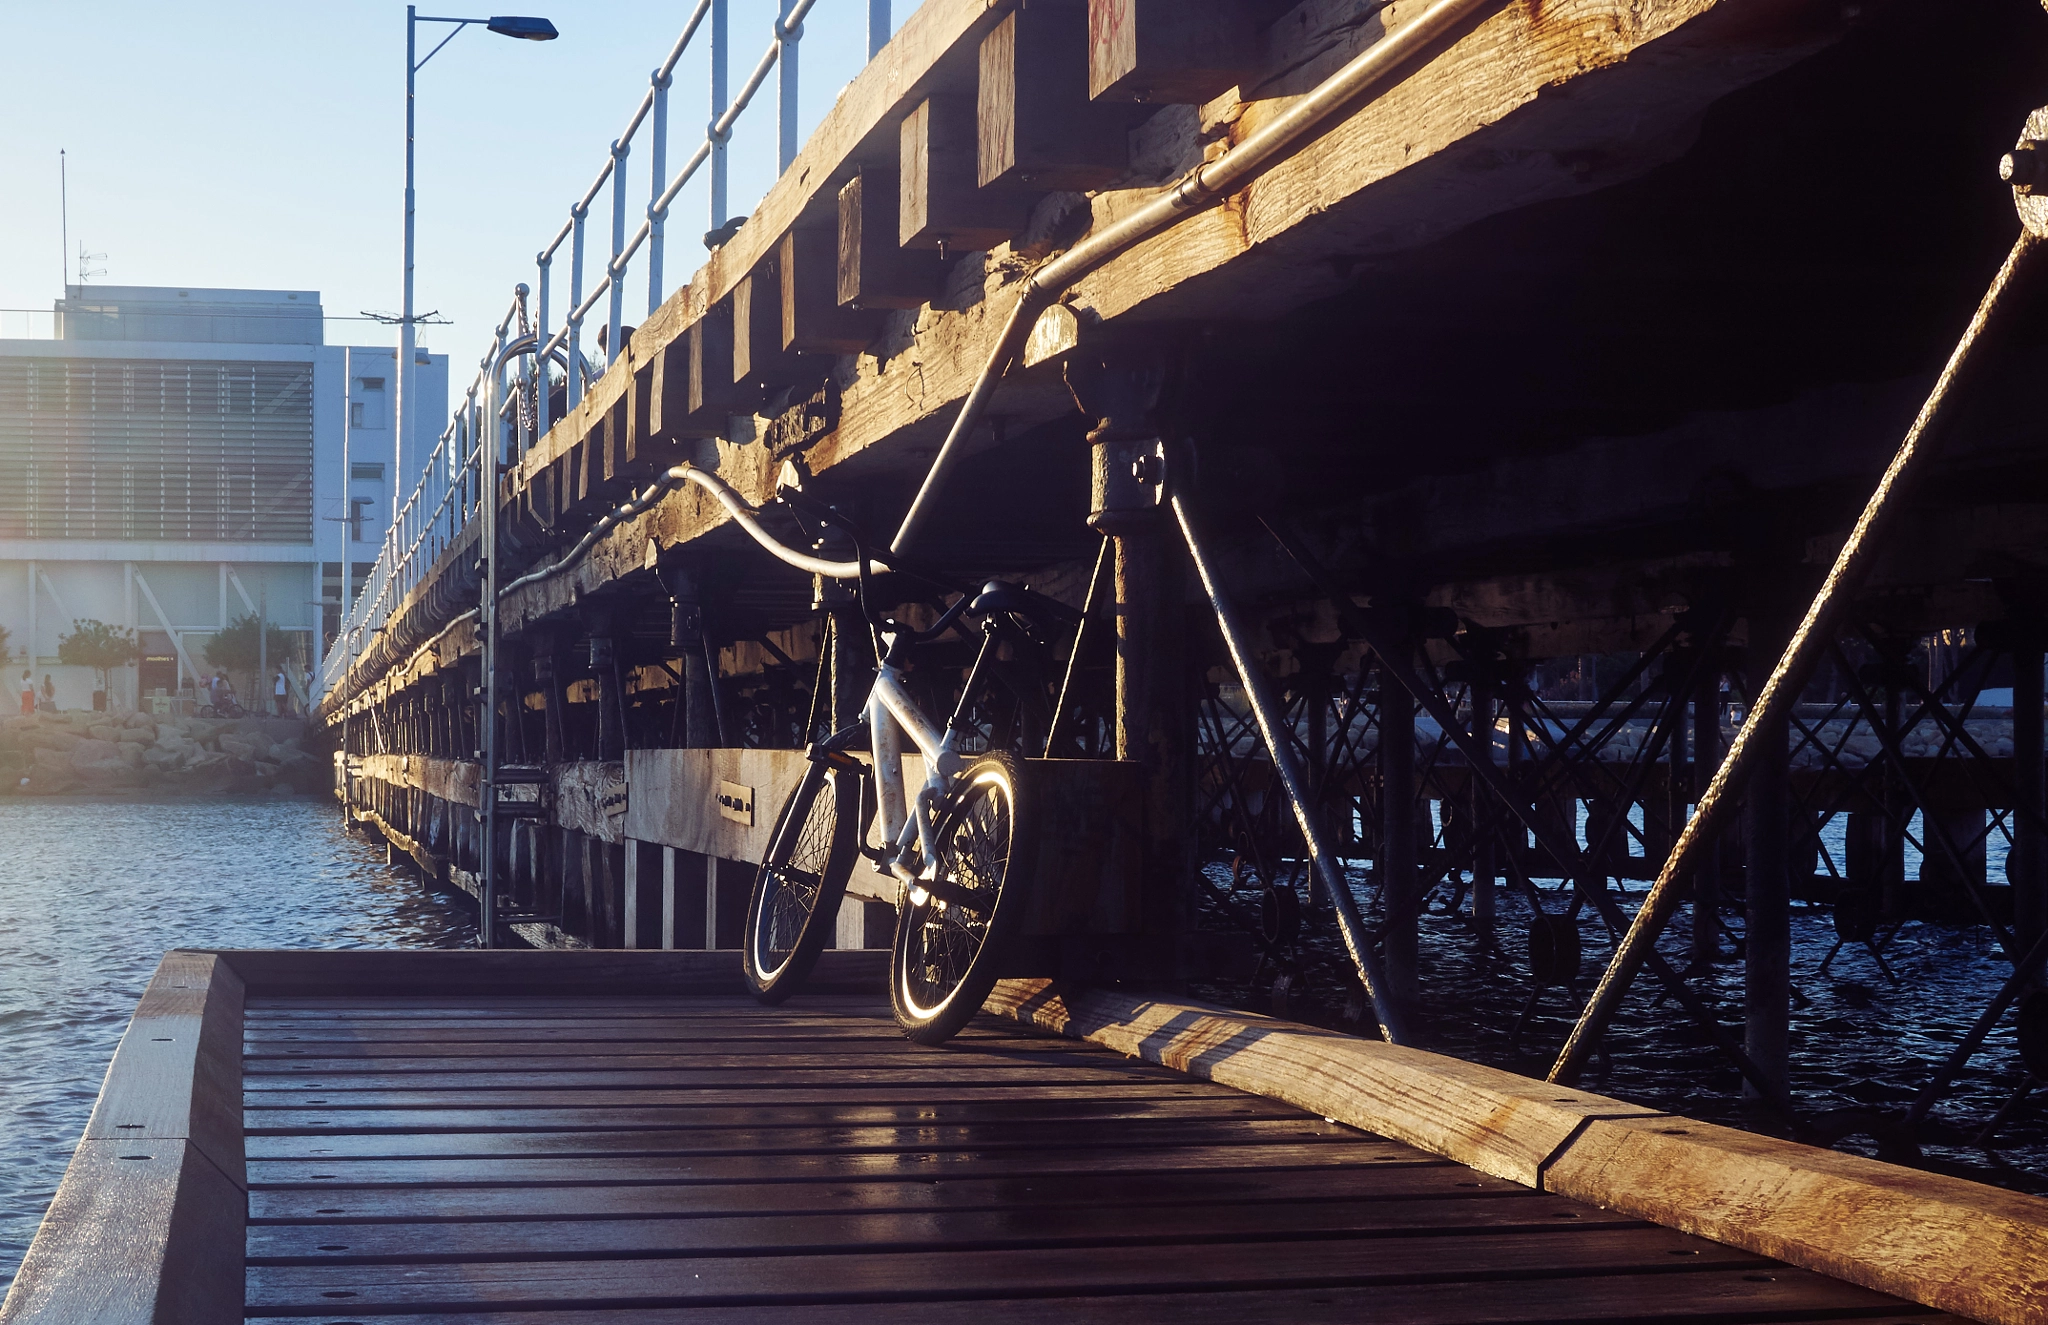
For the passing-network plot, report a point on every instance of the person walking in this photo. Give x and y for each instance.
(28, 693)
(282, 706)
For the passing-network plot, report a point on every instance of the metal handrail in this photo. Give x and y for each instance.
(447, 494)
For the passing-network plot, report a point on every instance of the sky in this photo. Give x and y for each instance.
(260, 145)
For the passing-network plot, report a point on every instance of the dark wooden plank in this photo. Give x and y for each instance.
(265, 1069)
(854, 1036)
(993, 1273)
(1168, 51)
(1776, 1297)
(1036, 126)
(884, 1092)
(941, 206)
(424, 1205)
(875, 270)
(930, 1077)
(921, 1138)
(523, 1002)
(1101, 1225)
(1080, 1112)
(812, 319)
(922, 1166)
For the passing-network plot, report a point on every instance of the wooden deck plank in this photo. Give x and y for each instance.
(923, 1166)
(1722, 1297)
(862, 1093)
(266, 1123)
(1095, 1225)
(911, 1138)
(966, 1275)
(937, 1076)
(342, 1207)
(769, 1057)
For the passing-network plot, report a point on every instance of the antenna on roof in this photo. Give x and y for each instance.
(86, 273)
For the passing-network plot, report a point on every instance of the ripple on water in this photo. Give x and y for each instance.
(95, 892)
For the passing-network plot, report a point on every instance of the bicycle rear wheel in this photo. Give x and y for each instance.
(951, 932)
(795, 902)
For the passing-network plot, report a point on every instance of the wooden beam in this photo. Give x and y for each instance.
(1037, 126)
(875, 270)
(941, 206)
(812, 320)
(757, 354)
(1950, 1244)
(1168, 51)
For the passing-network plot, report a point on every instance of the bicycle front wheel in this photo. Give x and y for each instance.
(795, 903)
(952, 931)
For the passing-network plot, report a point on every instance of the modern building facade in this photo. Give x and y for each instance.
(175, 459)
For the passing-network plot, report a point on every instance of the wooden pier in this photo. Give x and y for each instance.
(599, 1138)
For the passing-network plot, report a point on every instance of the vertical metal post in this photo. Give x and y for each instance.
(657, 216)
(787, 40)
(577, 218)
(1767, 931)
(540, 356)
(402, 400)
(487, 718)
(348, 505)
(878, 26)
(1482, 838)
(668, 898)
(720, 35)
(612, 348)
(1399, 893)
(1706, 879)
(2027, 866)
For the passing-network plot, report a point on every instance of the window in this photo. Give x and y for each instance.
(356, 508)
(369, 411)
(366, 469)
(355, 414)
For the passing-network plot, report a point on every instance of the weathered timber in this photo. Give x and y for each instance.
(875, 270)
(1167, 51)
(1037, 127)
(941, 204)
(813, 319)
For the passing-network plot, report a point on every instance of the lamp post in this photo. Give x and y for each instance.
(527, 29)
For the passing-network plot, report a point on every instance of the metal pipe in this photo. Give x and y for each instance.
(657, 214)
(788, 36)
(715, 141)
(1279, 740)
(613, 349)
(540, 358)
(575, 326)
(878, 26)
(1259, 151)
(1768, 712)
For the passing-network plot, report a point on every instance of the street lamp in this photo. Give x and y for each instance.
(524, 28)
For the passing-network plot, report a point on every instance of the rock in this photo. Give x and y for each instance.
(131, 752)
(95, 754)
(53, 760)
(241, 747)
(140, 719)
(55, 739)
(106, 731)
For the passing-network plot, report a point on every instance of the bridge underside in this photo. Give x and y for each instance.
(1575, 354)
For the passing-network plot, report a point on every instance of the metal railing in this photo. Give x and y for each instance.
(513, 415)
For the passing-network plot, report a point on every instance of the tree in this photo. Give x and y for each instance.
(234, 650)
(97, 645)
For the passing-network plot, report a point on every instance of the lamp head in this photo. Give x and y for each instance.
(528, 29)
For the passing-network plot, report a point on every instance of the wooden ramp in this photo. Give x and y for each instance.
(617, 1138)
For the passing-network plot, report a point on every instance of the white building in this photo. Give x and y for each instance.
(173, 460)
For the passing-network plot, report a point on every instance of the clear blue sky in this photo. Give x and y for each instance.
(260, 144)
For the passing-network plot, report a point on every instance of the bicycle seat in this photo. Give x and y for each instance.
(1002, 596)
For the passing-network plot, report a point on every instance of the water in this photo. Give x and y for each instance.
(96, 891)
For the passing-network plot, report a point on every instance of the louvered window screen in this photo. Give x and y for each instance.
(133, 449)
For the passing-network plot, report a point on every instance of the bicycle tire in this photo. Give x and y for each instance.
(794, 905)
(947, 953)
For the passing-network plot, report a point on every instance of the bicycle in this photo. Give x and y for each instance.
(963, 850)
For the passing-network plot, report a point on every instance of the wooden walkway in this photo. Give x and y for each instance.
(600, 1158)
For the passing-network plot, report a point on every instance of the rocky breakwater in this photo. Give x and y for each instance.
(56, 753)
